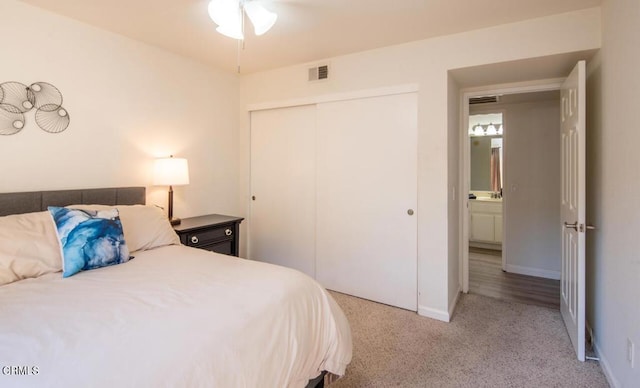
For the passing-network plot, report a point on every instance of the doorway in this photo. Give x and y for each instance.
(572, 225)
(486, 129)
(513, 249)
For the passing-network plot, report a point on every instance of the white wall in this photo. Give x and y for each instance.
(128, 103)
(613, 183)
(531, 186)
(425, 63)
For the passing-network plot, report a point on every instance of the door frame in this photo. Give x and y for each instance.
(543, 85)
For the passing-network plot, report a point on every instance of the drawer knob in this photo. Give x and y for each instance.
(228, 232)
(194, 240)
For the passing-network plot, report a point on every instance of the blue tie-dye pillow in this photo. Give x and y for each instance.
(89, 239)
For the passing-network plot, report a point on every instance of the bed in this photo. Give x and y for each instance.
(170, 316)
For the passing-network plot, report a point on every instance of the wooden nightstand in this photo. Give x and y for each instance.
(213, 232)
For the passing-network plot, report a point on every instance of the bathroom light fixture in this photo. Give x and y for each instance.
(171, 172)
(229, 16)
(486, 129)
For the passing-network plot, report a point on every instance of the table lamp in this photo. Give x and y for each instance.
(171, 172)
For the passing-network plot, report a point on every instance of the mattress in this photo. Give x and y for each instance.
(173, 316)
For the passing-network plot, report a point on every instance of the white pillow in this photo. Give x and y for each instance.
(145, 227)
(29, 247)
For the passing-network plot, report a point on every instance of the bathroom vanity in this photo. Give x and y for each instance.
(485, 225)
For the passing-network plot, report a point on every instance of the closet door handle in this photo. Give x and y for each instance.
(573, 226)
(410, 212)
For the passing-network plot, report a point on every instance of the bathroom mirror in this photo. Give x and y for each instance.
(481, 162)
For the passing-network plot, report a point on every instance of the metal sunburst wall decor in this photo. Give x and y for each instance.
(16, 99)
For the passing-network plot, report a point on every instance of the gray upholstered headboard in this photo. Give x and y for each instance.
(35, 201)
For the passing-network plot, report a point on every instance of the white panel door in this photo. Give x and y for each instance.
(283, 187)
(366, 242)
(572, 283)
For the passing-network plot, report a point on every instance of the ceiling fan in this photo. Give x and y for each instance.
(229, 16)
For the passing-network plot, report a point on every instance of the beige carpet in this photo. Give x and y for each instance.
(489, 343)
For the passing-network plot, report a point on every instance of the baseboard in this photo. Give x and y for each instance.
(495, 247)
(441, 315)
(541, 273)
(606, 367)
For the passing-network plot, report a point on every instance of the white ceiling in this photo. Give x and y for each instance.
(306, 30)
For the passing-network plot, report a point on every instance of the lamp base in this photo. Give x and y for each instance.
(175, 221)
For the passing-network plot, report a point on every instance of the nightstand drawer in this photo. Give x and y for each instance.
(213, 232)
(224, 247)
(208, 236)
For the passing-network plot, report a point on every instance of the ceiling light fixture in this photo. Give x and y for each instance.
(229, 16)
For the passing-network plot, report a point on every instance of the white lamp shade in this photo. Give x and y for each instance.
(223, 12)
(228, 16)
(478, 131)
(171, 172)
(231, 30)
(261, 19)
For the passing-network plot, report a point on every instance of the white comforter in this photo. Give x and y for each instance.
(171, 317)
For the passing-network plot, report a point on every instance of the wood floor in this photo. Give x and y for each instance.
(487, 278)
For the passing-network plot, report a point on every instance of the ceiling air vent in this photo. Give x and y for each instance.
(319, 73)
(483, 100)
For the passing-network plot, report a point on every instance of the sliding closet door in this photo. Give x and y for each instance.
(366, 239)
(283, 187)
